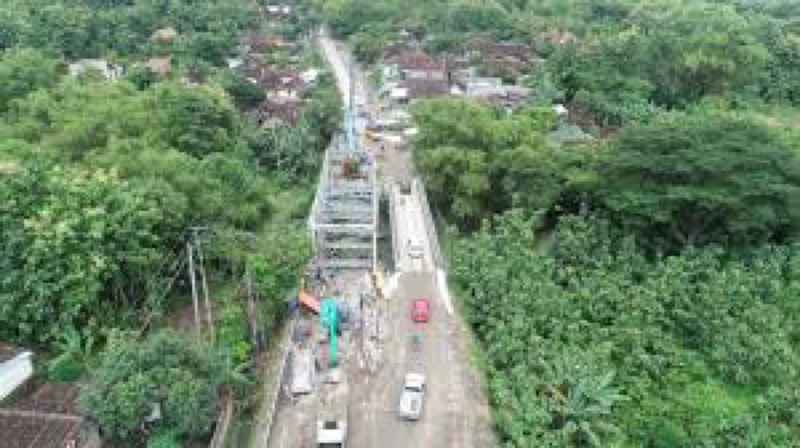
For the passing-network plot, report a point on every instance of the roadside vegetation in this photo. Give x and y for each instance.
(102, 180)
(662, 311)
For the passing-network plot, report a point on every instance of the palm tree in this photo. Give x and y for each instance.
(580, 401)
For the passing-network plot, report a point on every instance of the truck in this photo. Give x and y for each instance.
(332, 419)
(302, 371)
(412, 398)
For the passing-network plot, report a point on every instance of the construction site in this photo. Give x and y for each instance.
(353, 339)
(336, 337)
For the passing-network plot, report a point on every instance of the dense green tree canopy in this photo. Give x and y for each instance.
(701, 177)
(476, 160)
(107, 176)
(195, 120)
(22, 72)
(589, 343)
(179, 375)
(79, 29)
(76, 246)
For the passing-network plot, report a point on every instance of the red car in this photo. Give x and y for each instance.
(420, 310)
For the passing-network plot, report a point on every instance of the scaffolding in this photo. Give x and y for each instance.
(344, 217)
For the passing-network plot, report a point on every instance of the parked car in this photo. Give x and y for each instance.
(415, 250)
(420, 310)
(413, 397)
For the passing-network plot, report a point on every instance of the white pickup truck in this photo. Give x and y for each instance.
(413, 396)
(331, 434)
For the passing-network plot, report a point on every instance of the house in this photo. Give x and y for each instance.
(46, 415)
(278, 10)
(234, 63)
(263, 43)
(489, 49)
(109, 71)
(418, 88)
(481, 87)
(515, 96)
(393, 49)
(309, 76)
(416, 64)
(16, 368)
(398, 95)
(160, 66)
(508, 60)
(277, 78)
(165, 35)
(491, 90)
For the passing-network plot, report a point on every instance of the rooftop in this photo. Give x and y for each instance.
(45, 416)
(426, 88)
(417, 60)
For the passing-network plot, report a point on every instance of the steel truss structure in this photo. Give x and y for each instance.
(344, 217)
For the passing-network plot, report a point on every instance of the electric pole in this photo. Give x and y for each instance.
(203, 279)
(193, 281)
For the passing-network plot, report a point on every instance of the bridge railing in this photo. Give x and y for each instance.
(430, 225)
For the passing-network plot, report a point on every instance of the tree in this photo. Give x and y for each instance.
(196, 120)
(178, 375)
(214, 47)
(453, 121)
(469, 15)
(24, 71)
(701, 177)
(10, 29)
(458, 182)
(276, 270)
(67, 29)
(367, 45)
(591, 341)
(77, 247)
(781, 80)
(700, 49)
(348, 16)
(245, 94)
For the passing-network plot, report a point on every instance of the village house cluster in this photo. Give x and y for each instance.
(282, 77)
(486, 71)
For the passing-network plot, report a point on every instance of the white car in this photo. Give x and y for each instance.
(331, 434)
(413, 397)
(415, 250)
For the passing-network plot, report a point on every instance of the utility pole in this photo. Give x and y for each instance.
(203, 279)
(251, 306)
(193, 281)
